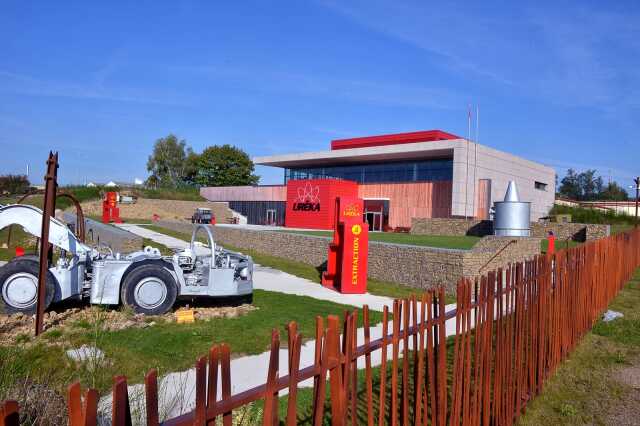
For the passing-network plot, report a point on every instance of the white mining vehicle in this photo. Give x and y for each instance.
(144, 280)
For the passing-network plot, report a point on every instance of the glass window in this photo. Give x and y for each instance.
(405, 171)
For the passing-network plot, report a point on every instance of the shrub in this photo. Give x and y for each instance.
(14, 184)
(582, 215)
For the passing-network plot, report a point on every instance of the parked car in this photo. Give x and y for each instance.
(202, 215)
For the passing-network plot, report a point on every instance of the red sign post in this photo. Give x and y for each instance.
(347, 261)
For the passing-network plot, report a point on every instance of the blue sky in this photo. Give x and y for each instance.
(557, 83)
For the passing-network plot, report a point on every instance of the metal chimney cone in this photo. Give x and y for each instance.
(511, 218)
(511, 196)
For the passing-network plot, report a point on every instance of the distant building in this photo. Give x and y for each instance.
(91, 185)
(400, 176)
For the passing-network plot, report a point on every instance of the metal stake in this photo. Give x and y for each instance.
(46, 252)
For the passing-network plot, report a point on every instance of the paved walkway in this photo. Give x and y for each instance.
(177, 390)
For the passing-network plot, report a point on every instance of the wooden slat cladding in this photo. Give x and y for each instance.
(483, 201)
(409, 200)
(245, 193)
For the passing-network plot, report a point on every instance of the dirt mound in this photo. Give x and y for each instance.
(18, 327)
(145, 208)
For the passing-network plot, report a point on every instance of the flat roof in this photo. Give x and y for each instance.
(393, 139)
(404, 151)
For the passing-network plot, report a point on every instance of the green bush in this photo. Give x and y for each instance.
(582, 215)
(14, 184)
(82, 193)
(186, 193)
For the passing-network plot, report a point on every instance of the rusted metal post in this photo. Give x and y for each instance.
(79, 228)
(50, 187)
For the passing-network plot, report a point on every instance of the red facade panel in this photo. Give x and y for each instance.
(311, 202)
(392, 139)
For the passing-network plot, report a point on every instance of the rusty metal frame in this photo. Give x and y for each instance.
(80, 225)
(46, 252)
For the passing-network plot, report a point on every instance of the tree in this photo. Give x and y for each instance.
(191, 167)
(590, 185)
(14, 184)
(586, 186)
(167, 163)
(570, 185)
(225, 165)
(614, 192)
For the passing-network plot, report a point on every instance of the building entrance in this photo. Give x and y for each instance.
(376, 214)
(374, 219)
(271, 217)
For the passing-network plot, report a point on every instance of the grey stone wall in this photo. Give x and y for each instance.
(454, 226)
(493, 252)
(571, 231)
(408, 265)
(451, 226)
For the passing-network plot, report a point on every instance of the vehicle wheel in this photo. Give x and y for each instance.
(19, 286)
(150, 290)
(247, 299)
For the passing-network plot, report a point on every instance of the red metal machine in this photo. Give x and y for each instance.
(110, 211)
(347, 262)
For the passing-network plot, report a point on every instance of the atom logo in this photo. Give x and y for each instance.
(308, 194)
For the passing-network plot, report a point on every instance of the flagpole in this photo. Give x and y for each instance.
(466, 180)
(475, 162)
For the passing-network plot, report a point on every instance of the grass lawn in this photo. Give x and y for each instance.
(18, 238)
(586, 388)
(303, 270)
(165, 346)
(560, 244)
(440, 241)
(617, 228)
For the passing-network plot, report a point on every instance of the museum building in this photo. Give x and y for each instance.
(426, 174)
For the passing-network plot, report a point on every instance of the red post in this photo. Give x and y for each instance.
(551, 239)
(347, 260)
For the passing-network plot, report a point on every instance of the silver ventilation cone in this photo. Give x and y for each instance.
(512, 216)
(512, 193)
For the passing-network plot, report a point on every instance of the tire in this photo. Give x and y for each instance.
(149, 290)
(247, 299)
(19, 287)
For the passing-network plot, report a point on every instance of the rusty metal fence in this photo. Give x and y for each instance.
(513, 327)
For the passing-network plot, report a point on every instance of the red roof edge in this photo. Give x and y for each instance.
(392, 139)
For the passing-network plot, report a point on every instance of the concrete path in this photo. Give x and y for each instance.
(177, 390)
(171, 242)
